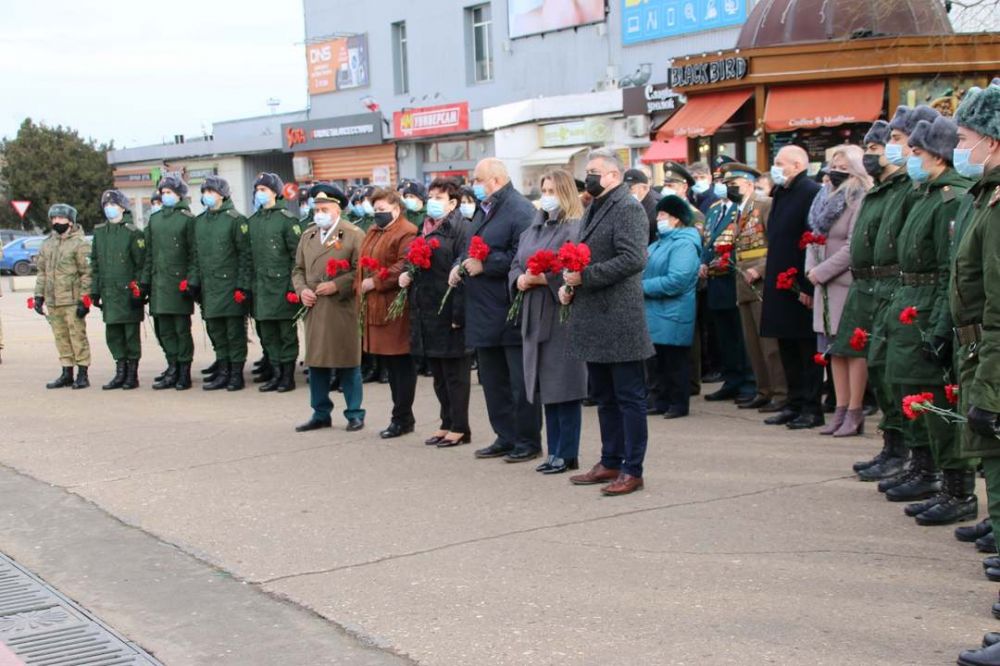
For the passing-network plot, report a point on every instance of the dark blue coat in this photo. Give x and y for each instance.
(720, 292)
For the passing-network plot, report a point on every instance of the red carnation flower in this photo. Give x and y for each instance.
(951, 393)
(86, 300)
(335, 266)
(369, 263)
(239, 296)
(292, 297)
(542, 262)
(819, 239)
(31, 303)
(914, 404)
(574, 258)
(383, 273)
(478, 249)
(184, 285)
(434, 243)
(805, 240)
(908, 315)
(859, 339)
(134, 288)
(820, 359)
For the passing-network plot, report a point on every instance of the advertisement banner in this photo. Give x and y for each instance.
(576, 132)
(533, 17)
(431, 120)
(648, 20)
(337, 64)
(362, 129)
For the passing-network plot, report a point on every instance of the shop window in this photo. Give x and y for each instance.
(750, 152)
(401, 69)
(448, 151)
(480, 23)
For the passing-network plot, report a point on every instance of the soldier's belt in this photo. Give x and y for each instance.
(969, 335)
(882, 272)
(864, 273)
(920, 279)
(750, 255)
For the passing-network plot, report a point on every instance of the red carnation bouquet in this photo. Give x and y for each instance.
(916, 404)
(909, 316)
(183, 285)
(572, 259)
(334, 267)
(819, 358)
(809, 238)
(418, 258)
(478, 250)
(133, 287)
(540, 263)
(816, 241)
(788, 281)
(31, 303)
(239, 296)
(370, 267)
(87, 301)
(951, 393)
(859, 339)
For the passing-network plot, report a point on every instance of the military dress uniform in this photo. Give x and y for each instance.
(117, 257)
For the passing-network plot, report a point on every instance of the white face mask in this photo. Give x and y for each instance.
(323, 220)
(668, 190)
(468, 210)
(663, 226)
(549, 203)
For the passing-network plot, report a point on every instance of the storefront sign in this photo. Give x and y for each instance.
(136, 178)
(337, 64)
(363, 129)
(590, 130)
(431, 120)
(198, 176)
(646, 20)
(647, 100)
(704, 73)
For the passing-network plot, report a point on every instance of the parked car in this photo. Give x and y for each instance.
(19, 256)
(8, 235)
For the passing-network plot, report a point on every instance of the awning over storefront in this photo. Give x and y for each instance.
(704, 114)
(674, 150)
(553, 156)
(801, 107)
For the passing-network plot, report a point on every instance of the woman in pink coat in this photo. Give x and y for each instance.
(828, 264)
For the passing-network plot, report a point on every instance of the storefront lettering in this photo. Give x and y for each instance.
(294, 136)
(706, 73)
(334, 132)
(821, 121)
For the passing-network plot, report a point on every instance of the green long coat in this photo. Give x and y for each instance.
(171, 258)
(274, 240)
(223, 240)
(975, 299)
(924, 247)
(117, 256)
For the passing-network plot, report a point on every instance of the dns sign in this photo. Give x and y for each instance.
(294, 136)
(319, 54)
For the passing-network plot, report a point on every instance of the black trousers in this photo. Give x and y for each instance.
(402, 386)
(515, 420)
(673, 368)
(804, 377)
(452, 383)
(737, 375)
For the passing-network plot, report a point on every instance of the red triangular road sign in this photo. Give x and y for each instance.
(21, 207)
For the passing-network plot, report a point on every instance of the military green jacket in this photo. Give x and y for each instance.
(171, 258)
(874, 209)
(975, 299)
(274, 239)
(223, 240)
(362, 222)
(64, 268)
(117, 256)
(924, 249)
(416, 217)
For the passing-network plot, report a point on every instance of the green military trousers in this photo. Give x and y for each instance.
(123, 341)
(280, 339)
(229, 338)
(175, 337)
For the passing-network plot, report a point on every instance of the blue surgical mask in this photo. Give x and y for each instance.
(894, 154)
(155, 208)
(964, 166)
(367, 209)
(777, 175)
(112, 212)
(170, 200)
(915, 169)
(549, 204)
(479, 190)
(260, 198)
(719, 190)
(435, 209)
(701, 186)
(208, 200)
(663, 226)
(468, 210)
(413, 205)
(323, 220)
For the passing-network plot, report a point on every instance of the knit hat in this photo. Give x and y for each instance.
(173, 181)
(271, 181)
(906, 119)
(938, 138)
(116, 197)
(217, 184)
(980, 110)
(62, 210)
(674, 206)
(321, 192)
(879, 133)
(413, 188)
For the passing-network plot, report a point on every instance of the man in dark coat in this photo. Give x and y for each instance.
(502, 217)
(609, 289)
(638, 186)
(786, 315)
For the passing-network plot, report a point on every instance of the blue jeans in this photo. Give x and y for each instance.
(319, 392)
(620, 392)
(562, 428)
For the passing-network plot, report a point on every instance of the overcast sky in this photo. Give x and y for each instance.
(138, 71)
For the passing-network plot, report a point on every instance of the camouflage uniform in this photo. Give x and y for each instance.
(63, 278)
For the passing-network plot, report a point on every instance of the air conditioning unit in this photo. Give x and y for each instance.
(302, 167)
(637, 126)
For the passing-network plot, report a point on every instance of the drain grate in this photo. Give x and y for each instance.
(44, 628)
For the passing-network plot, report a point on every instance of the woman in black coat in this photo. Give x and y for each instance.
(441, 337)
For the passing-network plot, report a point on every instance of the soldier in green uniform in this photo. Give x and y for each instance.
(222, 237)
(117, 257)
(415, 201)
(274, 239)
(919, 357)
(171, 280)
(64, 284)
(362, 213)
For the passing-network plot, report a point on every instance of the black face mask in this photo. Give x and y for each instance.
(383, 219)
(592, 183)
(873, 165)
(60, 228)
(837, 178)
(733, 194)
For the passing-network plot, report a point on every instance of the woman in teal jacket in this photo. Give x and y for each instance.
(668, 285)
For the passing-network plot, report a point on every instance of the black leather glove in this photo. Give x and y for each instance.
(96, 299)
(983, 422)
(937, 351)
(39, 305)
(193, 292)
(81, 310)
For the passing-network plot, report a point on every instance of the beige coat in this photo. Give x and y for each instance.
(332, 338)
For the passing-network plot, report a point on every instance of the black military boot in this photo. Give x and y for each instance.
(131, 375)
(183, 377)
(265, 373)
(925, 482)
(960, 504)
(275, 381)
(65, 379)
(169, 379)
(236, 382)
(917, 508)
(887, 436)
(987, 544)
(119, 379)
(82, 378)
(221, 378)
(211, 370)
(287, 377)
(890, 460)
(160, 377)
(257, 364)
(969, 533)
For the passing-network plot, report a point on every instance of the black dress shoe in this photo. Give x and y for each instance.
(395, 430)
(521, 455)
(782, 417)
(495, 450)
(744, 399)
(433, 441)
(312, 424)
(970, 533)
(547, 465)
(773, 407)
(870, 410)
(353, 425)
(756, 403)
(446, 443)
(655, 411)
(991, 638)
(805, 421)
(721, 394)
(675, 415)
(711, 378)
(986, 544)
(562, 465)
